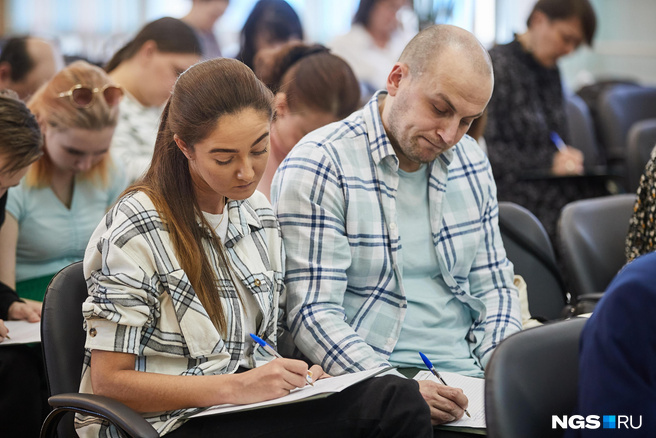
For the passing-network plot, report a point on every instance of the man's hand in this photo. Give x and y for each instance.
(29, 311)
(446, 403)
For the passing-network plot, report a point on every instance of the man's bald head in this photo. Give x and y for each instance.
(430, 44)
(26, 63)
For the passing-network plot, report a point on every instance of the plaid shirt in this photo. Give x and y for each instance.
(141, 302)
(334, 196)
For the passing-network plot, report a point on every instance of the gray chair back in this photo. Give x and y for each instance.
(582, 131)
(619, 108)
(529, 249)
(641, 141)
(531, 376)
(591, 235)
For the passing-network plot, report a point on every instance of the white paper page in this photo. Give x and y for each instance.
(323, 386)
(22, 332)
(474, 389)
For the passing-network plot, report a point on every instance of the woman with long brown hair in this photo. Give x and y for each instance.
(189, 263)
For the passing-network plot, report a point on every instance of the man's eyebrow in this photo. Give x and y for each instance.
(226, 150)
(453, 108)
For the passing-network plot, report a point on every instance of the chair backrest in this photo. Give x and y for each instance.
(582, 131)
(619, 108)
(591, 235)
(641, 141)
(62, 334)
(531, 376)
(529, 249)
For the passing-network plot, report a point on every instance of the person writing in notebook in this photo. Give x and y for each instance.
(389, 219)
(189, 263)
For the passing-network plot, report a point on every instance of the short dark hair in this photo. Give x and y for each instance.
(564, 9)
(363, 14)
(277, 18)
(170, 34)
(15, 54)
(20, 136)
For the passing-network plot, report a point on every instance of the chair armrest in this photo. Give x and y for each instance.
(106, 408)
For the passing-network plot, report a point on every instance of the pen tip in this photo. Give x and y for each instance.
(467, 412)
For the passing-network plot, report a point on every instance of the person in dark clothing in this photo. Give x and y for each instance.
(23, 402)
(527, 109)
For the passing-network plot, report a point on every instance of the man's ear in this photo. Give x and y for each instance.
(280, 105)
(182, 146)
(399, 72)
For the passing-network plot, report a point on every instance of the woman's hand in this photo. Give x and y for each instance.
(272, 380)
(29, 311)
(3, 331)
(568, 161)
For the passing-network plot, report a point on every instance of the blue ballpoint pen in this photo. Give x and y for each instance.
(555, 138)
(432, 369)
(269, 349)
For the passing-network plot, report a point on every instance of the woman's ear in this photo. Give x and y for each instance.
(183, 147)
(280, 104)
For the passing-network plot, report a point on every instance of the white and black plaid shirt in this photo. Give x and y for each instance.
(141, 302)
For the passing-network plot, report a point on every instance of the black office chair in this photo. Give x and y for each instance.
(531, 376)
(62, 340)
(529, 249)
(592, 235)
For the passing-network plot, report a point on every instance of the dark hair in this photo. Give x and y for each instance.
(311, 77)
(170, 34)
(275, 18)
(363, 14)
(16, 55)
(201, 96)
(20, 136)
(564, 9)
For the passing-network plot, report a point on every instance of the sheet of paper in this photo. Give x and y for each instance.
(474, 389)
(323, 387)
(22, 332)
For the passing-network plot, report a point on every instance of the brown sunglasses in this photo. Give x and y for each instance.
(82, 96)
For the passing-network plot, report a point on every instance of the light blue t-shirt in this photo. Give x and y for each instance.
(436, 322)
(52, 236)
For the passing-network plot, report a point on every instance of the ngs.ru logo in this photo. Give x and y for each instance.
(593, 422)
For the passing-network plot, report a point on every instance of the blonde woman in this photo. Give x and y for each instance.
(55, 208)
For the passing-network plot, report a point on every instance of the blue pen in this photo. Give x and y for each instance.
(432, 369)
(269, 349)
(555, 138)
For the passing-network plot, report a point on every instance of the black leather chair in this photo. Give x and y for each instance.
(62, 340)
(642, 139)
(591, 235)
(529, 249)
(531, 376)
(581, 132)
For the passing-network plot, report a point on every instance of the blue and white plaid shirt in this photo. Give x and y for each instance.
(334, 196)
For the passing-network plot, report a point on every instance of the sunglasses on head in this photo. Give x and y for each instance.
(82, 96)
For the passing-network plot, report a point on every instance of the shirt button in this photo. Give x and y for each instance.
(93, 332)
(256, 283)
(392, 226)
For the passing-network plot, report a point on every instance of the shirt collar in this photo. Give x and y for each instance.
(379, 144)
(242, 220)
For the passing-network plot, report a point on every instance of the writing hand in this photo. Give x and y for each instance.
(446, 402)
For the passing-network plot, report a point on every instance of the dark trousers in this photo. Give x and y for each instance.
(386, 406)
(23, 391)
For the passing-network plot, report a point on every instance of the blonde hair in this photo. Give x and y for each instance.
(60, 113)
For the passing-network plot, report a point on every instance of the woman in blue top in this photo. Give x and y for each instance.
(54, 210)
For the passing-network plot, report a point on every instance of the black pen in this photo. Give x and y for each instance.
(432, 369)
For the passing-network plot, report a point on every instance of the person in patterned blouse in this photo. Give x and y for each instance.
(641, 238)
(189, 263)
(527, 106)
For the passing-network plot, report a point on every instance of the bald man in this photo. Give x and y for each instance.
(26, 63)
(389, 219)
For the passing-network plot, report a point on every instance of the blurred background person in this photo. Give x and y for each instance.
(23, 404)
(58, 204)
(374, 43)
(312, 88)
(270, 24)
(26, 63)
(641, 238)
(146, 68)
(201, 17)
(527, 108)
